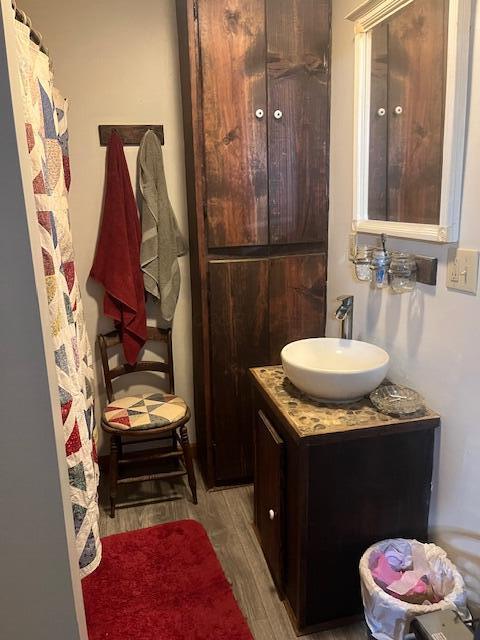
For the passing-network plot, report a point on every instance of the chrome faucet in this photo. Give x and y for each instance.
(344, 313)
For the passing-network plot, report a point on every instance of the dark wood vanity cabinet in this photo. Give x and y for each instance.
(326, 488)
(269, 500)
(256, 102)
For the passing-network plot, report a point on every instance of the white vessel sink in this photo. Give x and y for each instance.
(335, 370)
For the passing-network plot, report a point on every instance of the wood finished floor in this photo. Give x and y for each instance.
(227, 516)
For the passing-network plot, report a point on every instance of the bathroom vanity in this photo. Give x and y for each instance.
(330, 480)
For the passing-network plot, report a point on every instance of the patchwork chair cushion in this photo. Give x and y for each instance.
(148, 411)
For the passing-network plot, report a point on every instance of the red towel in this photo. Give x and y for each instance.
(117, 260)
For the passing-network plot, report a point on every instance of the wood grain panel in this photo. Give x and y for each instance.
(239, 340)
(232, 43)
(193, 138)
(297, 300)
(417, 64)
(298, 64)
(377, 173)
(355, 500)
(269, 498)
(131, 134)
(223, 56)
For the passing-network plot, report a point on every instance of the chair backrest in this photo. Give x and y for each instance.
(154, 334)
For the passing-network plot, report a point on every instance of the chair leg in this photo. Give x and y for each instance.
(187, 455)
(113, 467)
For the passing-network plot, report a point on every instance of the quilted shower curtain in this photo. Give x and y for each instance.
(47, 136)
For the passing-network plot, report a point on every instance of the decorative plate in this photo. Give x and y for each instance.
(394, 399)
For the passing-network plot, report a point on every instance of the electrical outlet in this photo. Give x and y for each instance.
(462, 270)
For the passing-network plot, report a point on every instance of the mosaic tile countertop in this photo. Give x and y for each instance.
(311, 417)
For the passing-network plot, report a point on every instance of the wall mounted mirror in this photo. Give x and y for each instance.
(411, 78)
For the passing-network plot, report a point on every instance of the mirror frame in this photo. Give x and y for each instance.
(368, 15)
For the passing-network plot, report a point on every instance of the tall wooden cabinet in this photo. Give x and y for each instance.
(256, 102)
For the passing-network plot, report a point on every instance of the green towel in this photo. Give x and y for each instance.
(162, 242)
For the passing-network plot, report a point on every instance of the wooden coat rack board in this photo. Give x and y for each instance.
(131, 134)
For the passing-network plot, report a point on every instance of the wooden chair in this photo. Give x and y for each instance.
(131, 419)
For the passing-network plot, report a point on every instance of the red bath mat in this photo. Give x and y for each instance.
(161, 583)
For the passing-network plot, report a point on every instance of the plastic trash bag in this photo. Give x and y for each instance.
(387, 617)
(398, 553)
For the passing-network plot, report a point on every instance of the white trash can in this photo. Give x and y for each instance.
(388, 617)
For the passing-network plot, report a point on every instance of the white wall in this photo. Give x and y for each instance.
(433, 335)
(117, 63)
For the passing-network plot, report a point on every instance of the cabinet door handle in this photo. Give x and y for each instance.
(381, 112)
(277, 114)
(271, 514)
(259, 113)
(398, 110)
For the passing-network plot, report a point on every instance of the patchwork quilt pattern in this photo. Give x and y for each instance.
(45, 114)
(147, 411)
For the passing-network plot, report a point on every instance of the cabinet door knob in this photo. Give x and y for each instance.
(398, 110)
(271, 514)
(381, 112)
(259, 113)
(277, 114)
